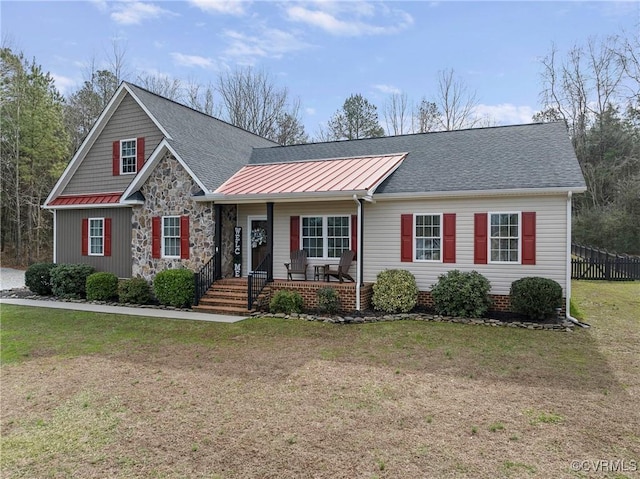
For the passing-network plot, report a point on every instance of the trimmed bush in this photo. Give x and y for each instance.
(175, 287)
(536, 297)
(70, 280)
(38, 278)
(328, 300)
(102, 287)
(135, 291)
(286, 302)
(460, 294)
(395, 291)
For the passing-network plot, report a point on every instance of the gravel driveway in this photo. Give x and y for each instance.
(11, 278)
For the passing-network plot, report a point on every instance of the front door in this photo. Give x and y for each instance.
(257, 241)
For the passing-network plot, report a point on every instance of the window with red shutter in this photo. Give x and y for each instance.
(115, 158)
(449, 238)
(140, 154)
(184, 237)
(529, 238)
(294, 233)
(480, 238)
(406, 238)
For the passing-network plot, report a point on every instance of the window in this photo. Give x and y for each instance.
(171, 236)
(128, 156)
(96, 236)
(326, 236)
(428, 237)
(504, 237)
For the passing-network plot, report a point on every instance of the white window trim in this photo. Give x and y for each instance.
(325, 235)
(413, 234)
(89, 237)
(519, 213)
(162, 237)
(135, 158)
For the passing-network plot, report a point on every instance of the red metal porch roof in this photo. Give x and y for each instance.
(343, 174)
(98, 199)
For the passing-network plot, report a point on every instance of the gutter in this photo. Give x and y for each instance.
(568, 269)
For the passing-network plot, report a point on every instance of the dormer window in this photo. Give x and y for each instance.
(128, 156)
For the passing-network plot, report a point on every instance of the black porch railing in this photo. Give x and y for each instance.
(204, 279)
(596, 264)
(257, 280)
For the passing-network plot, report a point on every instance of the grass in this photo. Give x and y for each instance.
(85, 395)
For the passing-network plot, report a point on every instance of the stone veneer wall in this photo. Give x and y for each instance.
(167, 192)
(229, 221)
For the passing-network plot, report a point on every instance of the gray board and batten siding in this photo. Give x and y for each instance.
(94, 175)
(69, 239)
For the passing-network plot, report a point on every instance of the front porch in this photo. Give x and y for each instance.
(230, 296)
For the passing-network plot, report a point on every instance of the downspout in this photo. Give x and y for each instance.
(359, 236)
(568, 269)
(55, 232)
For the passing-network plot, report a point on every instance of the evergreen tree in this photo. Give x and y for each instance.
(358, 118)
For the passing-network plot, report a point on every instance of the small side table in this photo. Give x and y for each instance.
(318, 271)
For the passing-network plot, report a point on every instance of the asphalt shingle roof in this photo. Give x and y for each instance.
(538, 155)
(212, 148)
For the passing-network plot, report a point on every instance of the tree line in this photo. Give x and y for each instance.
(594, 88)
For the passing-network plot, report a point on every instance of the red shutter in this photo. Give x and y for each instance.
(156, 236)
(85, 237)
(139, 154)
(354, 235)
(480, 238)
(529, 238)
(184, 237)
(294, 233)
(406, 238)
(107, 236)
(449, 237)
(115, 158)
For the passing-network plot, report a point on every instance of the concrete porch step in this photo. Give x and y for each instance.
(236, 311)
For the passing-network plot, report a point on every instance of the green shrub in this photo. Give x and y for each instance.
(328, 300)
(135, 291)
(175, 287)
(395, 291)
(38, 278)
(461, 294)
(535, 297)
(286, 302)
(70, 280)
(102, 286)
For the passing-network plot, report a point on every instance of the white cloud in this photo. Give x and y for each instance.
(267, 43)
(505, 113)
(64, 84)
(134, 13)
(310, 111)
(192, 60)
(229, 7)
(390, 89)
(351, 18)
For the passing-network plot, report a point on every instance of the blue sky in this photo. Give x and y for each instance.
(322, 51)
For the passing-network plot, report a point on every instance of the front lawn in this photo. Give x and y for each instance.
(97, 395)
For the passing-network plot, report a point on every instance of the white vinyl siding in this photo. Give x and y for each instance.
(382, 238)
(96, 236)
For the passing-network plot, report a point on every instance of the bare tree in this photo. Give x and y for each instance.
(162, 85)
(425, 117)
(455, 102)
(199, 97)
(396, 113)
(252, 100)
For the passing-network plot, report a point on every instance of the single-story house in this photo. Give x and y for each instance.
(157, 185)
